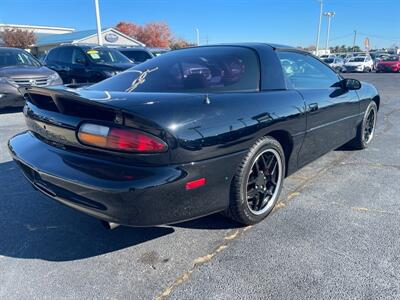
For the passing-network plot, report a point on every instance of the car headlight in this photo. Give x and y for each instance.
(54, 79)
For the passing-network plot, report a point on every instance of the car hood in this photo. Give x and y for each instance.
(25, 71)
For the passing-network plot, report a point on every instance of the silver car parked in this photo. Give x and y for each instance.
(336, 63)
(18, 68)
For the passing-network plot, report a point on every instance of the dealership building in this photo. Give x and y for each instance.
(50, 37)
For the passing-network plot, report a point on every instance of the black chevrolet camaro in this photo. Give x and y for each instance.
(190, 133)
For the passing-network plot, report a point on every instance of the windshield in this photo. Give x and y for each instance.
(204, 69)
(391, 58)
(357, 59)
(16, 57)
(107, 56)
(328, 60)
(136, 55)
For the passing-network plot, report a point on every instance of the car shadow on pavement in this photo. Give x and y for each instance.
(212, 222)
(35, 227)
(10, 110)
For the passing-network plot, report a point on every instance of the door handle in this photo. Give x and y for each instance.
(313, 107)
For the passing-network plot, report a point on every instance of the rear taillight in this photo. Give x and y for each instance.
(120, 139)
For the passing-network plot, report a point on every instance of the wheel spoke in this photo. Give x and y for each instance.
(256, 201)
(271, 161)
(251, 193)
(251, 181)
(264, 162)
(274, 169)
(264, 202)
(257, 167)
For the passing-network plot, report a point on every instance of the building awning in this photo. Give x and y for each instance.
(110, 36)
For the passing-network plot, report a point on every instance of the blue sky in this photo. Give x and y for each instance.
(292, 22)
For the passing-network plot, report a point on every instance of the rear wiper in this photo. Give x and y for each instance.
(141, 79)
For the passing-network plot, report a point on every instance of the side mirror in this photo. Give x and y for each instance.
(351, 84)
(348, 84)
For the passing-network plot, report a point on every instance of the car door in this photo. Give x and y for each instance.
(78, 66)
(52, 61)
(332, 111)
(60, 59)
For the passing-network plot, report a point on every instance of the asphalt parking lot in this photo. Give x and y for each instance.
(334, 234)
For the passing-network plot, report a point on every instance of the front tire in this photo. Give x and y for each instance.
(366, 129)
(258, 182)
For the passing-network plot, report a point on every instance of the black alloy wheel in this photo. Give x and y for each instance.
(264, 177)
(366, 129)
(369, 126)
(258, 182)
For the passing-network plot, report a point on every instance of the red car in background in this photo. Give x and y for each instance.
(389, 64)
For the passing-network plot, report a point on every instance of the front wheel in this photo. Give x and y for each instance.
(366, 129)
(258, 182)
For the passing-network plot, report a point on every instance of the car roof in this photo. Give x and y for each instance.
(84, 46)
(11, 48)
(257, 44)
(132, 49)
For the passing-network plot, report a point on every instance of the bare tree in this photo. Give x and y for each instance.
(18, 38)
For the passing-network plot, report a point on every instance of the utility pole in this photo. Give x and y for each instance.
(197, 36)
(321, 7)
(99, 38)
(354, 40)
(329, 15)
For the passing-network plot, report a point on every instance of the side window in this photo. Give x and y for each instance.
(65, 55)
(52, 55)
(306, 72)
(78, 57)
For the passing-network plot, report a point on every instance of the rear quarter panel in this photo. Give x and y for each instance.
(229, 123)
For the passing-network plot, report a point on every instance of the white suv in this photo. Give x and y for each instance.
(359, 64)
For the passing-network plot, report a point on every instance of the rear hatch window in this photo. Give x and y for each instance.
(201, 70)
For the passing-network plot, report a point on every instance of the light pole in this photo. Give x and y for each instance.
(321, 6)
(197, 36)
(328, 30)
(354, 39)
(99, 38)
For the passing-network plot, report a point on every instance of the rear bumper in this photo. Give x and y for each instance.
(121, 193)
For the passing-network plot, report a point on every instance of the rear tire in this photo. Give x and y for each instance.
(366, 130)
(258, 182)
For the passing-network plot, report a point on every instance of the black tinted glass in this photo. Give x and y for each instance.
(65, 55)
(78, 56)
(52, 55)
(15, 57)
(137, 56)
(207, 69)
(328, 60)
(306, 72)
